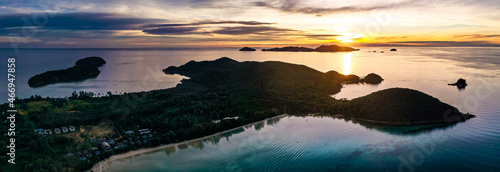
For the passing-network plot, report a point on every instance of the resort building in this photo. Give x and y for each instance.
(64, 129)
(105, 146)
(144, 131)
(57, 130)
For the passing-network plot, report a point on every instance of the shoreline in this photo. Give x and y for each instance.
(101, 164)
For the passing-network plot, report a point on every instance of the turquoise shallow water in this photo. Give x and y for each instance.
(295, 143)
(310, 143)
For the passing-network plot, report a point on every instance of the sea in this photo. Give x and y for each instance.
(304, 143)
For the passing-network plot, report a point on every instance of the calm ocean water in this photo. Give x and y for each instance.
(308, 143)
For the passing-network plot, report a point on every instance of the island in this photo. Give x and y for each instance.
(461, 83)
(322, 48)
(83, 69)
(403, 107)
(247, 49)
(393, 49)
(372, 78)
(76, 132)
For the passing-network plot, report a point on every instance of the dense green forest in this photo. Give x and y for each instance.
(218, 89)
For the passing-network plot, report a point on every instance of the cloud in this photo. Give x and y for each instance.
(446, 43)
(210, 22)
(172, 31)
(261, 30)
(477, 36)
(75, 21)
(295, 6)
(321, 36)
(240, 28)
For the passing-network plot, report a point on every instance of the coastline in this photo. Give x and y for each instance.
(100, 165)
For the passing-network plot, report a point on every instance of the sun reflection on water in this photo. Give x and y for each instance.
(347, 60)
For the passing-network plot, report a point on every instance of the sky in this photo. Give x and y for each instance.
(255, 23)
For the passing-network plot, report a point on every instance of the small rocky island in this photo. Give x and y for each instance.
(461, 83)
(372, 78)
(393, 49)
(84, 69)
(247, 49)
(323, 48)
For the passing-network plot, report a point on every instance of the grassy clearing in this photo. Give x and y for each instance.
(37, 106)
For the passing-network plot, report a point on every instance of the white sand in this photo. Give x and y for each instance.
(101, 165)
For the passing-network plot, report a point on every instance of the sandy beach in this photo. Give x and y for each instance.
(99, 167)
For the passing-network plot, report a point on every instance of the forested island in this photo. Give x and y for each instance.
(220, 95)
(83, 69)
(247, 49)
(323, 48)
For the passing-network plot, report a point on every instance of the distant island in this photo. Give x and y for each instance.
(83, 69)
(247, 49)
(323, 48)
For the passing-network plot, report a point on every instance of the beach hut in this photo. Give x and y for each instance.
(64, 129)
(57, 130)
(105, 146)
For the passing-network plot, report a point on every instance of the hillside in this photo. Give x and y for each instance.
(401, 106)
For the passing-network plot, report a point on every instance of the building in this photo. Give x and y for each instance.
(111, 141)
(72, 128)
(119, 146)
(47, 131)
(39, 131)
(105, 146)
(144, 131)
(64, 129)
(57, 130)
(130, 132)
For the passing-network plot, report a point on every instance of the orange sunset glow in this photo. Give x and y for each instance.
(253, 23)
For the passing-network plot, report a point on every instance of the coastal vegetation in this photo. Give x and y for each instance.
(220, 95)
(83, 69)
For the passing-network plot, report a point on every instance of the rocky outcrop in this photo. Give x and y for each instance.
(461, 83)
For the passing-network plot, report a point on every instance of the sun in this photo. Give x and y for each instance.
(348, 37)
